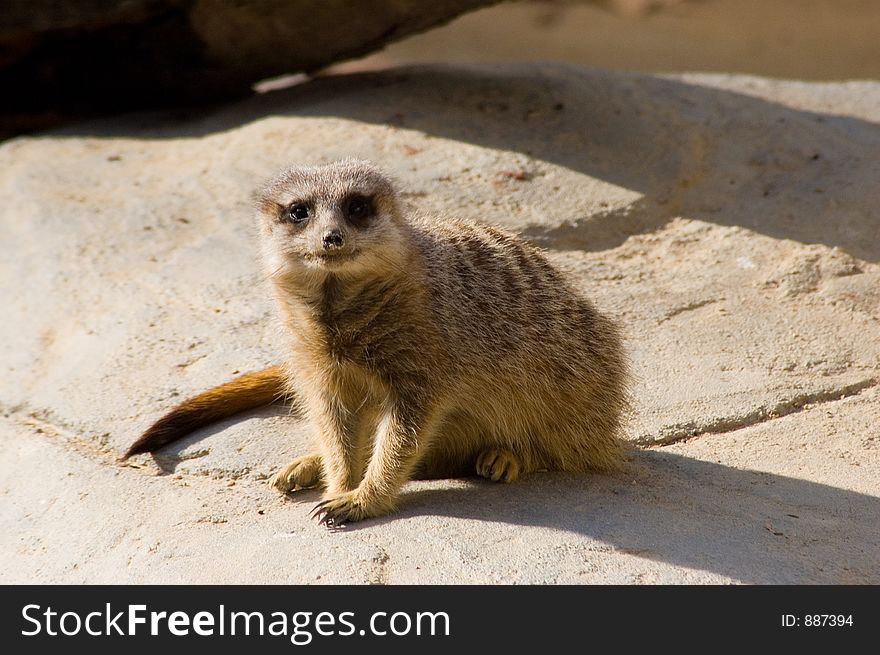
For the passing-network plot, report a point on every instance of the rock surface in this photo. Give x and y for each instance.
(731, 224)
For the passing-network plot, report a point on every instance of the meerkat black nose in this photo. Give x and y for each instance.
(333, 239)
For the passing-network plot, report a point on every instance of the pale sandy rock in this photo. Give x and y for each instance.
(729, 222)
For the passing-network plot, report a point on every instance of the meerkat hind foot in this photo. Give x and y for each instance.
(498, 465)
(302, 473)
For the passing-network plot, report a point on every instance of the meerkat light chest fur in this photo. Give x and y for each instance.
(418, 346)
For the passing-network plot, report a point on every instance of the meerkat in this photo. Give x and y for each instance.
(418, 347)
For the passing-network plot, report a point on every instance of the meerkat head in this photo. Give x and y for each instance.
(340, 217)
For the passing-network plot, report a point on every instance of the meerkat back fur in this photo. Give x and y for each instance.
(426, 346)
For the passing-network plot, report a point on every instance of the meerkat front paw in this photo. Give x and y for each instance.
(339, 509)
(498, 464)
(302, 473)
(347, 507)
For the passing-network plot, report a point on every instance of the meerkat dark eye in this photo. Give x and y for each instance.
(296, 213)
(358, 209)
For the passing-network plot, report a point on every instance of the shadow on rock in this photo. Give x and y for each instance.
(704, 153)
(690, 150)
(752, 526)
(230, 434)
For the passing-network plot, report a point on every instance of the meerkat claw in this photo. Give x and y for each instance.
(340, 509)
(321, 513)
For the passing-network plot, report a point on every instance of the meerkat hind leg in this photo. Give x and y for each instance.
(302, 473)
(499, 465)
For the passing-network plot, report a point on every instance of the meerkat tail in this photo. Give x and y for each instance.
(248, 391)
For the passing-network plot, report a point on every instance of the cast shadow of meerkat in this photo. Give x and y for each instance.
(753, 526)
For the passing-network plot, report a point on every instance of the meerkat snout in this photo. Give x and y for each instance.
(333, 239)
